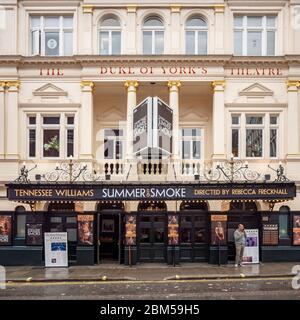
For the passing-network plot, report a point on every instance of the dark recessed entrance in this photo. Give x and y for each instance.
(110, 228)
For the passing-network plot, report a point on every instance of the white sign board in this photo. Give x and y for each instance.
(56, 249)
(251, 252)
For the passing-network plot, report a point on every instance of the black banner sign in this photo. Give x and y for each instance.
(193, 191)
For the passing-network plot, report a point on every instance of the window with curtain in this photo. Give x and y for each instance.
(110, 36)
(196, 36)
(153, 36)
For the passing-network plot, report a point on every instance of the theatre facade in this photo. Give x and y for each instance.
(148, 132)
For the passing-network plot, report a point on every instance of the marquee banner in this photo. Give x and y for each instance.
(143, 191)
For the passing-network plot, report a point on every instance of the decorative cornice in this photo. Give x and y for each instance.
(86, 8)
(131, 84)
(174, 83)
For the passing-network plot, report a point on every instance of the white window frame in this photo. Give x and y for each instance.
(154, 30)
(277, 128)
(69, 127)
(263, 28)
(114, 138)
(110, 30)
(237, 127)
(28, 128)
(253, 127)
(196, 31)
(42, 30)
(191, 139)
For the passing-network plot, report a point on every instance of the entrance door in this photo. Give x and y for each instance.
(65, 223)
(152, 229)
(109, 240)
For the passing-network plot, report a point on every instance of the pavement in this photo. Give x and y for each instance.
(149, 272)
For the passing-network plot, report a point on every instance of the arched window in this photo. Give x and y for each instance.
(196, 36)
(110, 36)
(153, 36)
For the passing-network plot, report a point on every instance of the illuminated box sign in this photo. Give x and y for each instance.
(193, 191)
(152, 127)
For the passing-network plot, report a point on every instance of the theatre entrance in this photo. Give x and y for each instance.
(110, 228)
(241, 212)
(152, 232)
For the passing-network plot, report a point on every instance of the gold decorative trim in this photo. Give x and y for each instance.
(174, 83)
(220, 8)
(292, 85)
(131, 83)
(87, 83)
(86, 8)
(218, 83)
(175, 8)
(8, 85)
(131, 8)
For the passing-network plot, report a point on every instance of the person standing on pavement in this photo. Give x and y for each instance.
(240, 241)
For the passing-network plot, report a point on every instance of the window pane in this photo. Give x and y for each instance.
(35, 22)
(145, 235)
(235, 119)
(190, 42)
(110, 22)
(185, 235)
(254, 21)
(186, 151)
(70, 120)
(50, 143)
(113, 133)
(254, 143)
(119, 150)
(153, 22)
(68, 22)
(35, 42)
(238, 21)
(271, 43)
(196, 132)
(271, 21)
(52, 43)
(51, 22)
(104, 42)
(51, 120)
(32, 142)
(68, 43)
(273, 143)
(196, 150)
(283, 226)
(202, 42)
(116, 42)
(147, 42)
(108, 149)
(273, 119)
(159, 234)
(72, 234)
(235, 142)
(159, 42)
(200, 235)
(70, 142)
(254, 43)
(187, 132)
(21, 218)
(32, 120)
(238, 43)
(196, 22)
(254, 120)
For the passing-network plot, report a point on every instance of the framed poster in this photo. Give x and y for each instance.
(296, 230)
(251, 252)
(56, 249)
(5, 230)
(85, 225)
(108, 225)
(173, 225)
(270, 234)
(34, 234)
(130, 230)
(218, 229)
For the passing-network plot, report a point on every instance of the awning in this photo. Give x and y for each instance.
(42, 191)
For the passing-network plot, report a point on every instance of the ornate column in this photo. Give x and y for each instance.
(2, 120)
(131, 30)
(218, 120)
(219, 29)
(86, 133)
(11, 119)
(175, 27)
(293, 146)
(174, 86)
(87, 39)
(131, 86)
